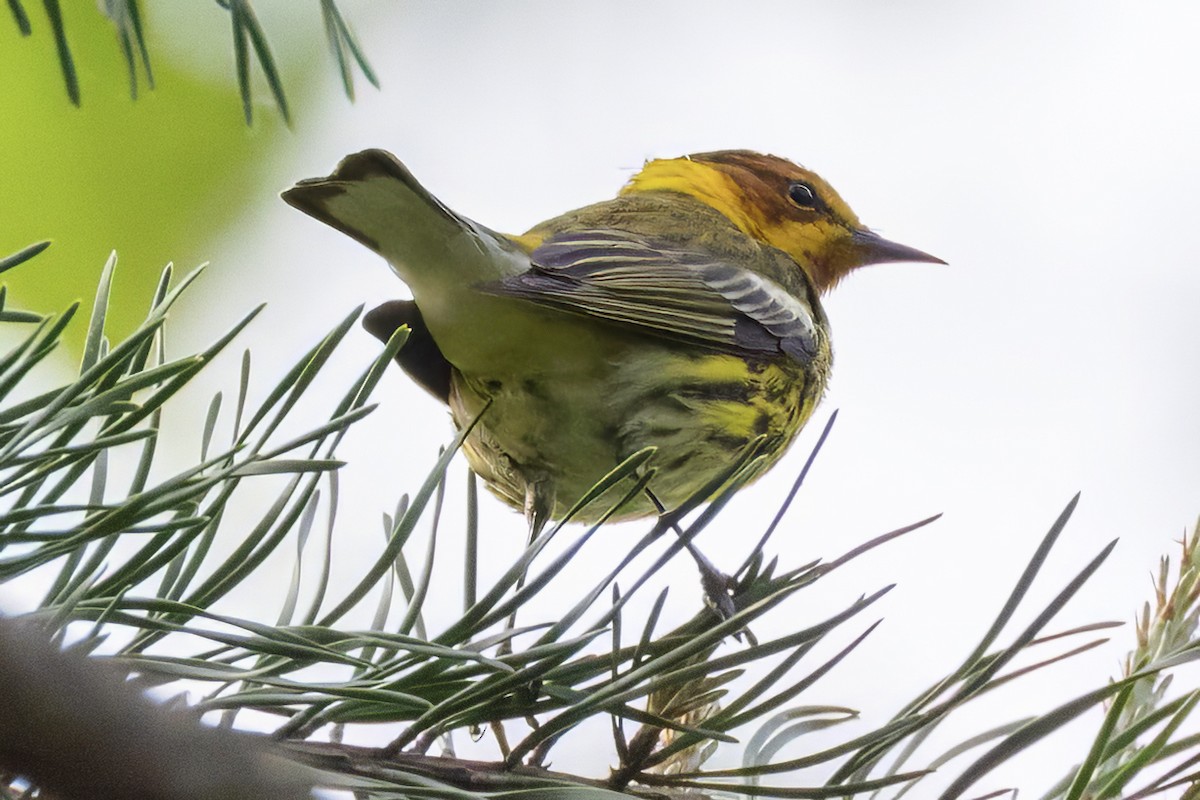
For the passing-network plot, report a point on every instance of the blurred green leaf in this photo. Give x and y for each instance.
(157, 179)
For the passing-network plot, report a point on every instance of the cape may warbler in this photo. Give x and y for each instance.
(683, 314)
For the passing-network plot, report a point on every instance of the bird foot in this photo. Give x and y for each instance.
(718, 589)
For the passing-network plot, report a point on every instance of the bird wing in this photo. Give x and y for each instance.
(679, 294)
(420, 356)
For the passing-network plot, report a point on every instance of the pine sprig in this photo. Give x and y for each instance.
(248, 37)
(1166, 636)
(132, 575)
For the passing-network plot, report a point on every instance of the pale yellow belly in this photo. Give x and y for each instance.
(569, 429)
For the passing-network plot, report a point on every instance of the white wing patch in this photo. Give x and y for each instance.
(679, 294)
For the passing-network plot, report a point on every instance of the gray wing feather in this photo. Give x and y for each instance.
(683, 295)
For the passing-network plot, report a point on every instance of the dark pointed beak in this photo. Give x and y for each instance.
(871, 248)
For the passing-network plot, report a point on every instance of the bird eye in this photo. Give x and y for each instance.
(802, 195)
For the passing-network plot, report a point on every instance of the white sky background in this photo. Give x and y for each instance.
(1048, 151)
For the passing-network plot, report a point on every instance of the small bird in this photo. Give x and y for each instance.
(683, 314)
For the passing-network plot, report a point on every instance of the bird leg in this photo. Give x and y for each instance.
(716, 584)
(539, 505)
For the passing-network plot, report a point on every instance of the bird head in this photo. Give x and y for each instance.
(781, 204)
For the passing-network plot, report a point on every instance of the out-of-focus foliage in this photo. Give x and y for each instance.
(157, 177)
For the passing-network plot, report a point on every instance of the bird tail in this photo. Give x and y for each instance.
(441, 255)
(374, 199)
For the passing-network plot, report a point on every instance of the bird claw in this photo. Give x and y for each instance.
(718, 590)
